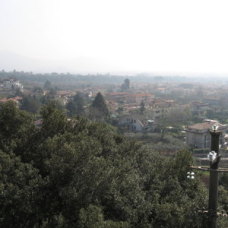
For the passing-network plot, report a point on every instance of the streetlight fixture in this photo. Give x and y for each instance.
(190, 175)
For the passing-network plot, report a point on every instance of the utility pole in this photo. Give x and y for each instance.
(213, 183)
(214, 158)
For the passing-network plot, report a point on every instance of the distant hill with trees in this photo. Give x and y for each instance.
(70, 80)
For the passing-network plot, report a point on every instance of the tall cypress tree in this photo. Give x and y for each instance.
(47, 85)
(99, 108)
(142, 107)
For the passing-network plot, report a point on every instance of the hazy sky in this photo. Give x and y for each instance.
(119, 35)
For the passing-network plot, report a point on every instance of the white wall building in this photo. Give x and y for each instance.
(131, 123)
(12, 84)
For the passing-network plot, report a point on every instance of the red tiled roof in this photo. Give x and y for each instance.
(204, 126)
(118, 93)
(65, 93)
(141, 95)
(15, 99)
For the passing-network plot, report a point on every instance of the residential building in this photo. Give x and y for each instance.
(119, 97)
(131, 123)
(199, 108)
(159, 107)
(139, 97)
(12, 84)
(198, 135)
(130, 98)
(136, 124)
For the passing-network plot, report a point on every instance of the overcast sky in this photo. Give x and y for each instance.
(119, 35)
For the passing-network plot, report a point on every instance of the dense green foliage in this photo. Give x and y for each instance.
(79, 173)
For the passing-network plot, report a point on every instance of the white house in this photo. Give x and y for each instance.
(12, 84)
(131, 123)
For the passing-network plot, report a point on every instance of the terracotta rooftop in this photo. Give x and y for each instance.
(64, 93)
(118, 93)
(197, 103)
(15, 99)
(205, 126)
(141, 95)
(130, 94)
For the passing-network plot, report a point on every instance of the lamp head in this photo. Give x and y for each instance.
(212, 156)
(214, 127)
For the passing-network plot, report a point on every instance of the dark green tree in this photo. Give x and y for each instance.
(142, 107)
(16, 127)
(126, 85)
(20, 185)
(47, 85)
(93, 217)
(38, 90)
(76, 106)
(54, 119)
(30, 104)
(99, 109)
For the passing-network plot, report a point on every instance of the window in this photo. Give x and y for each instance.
(205, 141)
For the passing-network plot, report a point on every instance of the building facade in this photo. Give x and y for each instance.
(198, 135)
(131, 123)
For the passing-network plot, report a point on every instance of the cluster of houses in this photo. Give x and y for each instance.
(197, 135)
(11, 84)
(132, 101)
(129, 98)
(129, 120)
